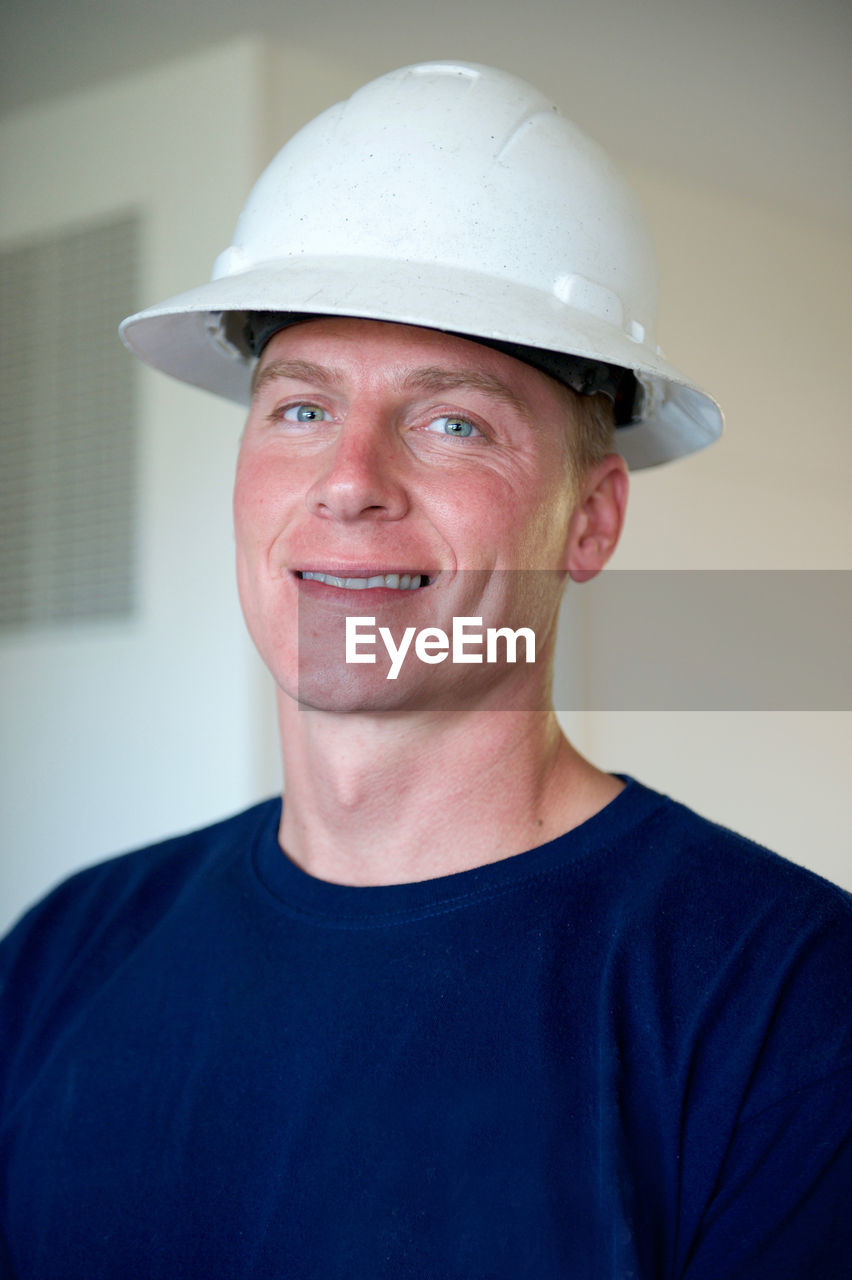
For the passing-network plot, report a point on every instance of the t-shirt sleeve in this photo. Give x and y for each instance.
(783, 1206)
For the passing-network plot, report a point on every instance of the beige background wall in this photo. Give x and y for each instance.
(118, 736)
(755, 306)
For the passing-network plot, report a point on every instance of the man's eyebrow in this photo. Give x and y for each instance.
(441, 379)
(430, 379)
(298, 370)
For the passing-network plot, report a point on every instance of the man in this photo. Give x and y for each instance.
(464, 1005)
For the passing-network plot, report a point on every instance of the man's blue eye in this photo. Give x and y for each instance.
(450, 425)
(304, 413)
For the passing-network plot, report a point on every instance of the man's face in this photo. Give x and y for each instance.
(375, 449)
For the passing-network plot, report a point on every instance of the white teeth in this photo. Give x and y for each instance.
(396, 581)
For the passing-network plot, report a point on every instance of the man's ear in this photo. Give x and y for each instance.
(598, 518)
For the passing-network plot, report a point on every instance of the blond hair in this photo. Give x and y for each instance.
(590, 434)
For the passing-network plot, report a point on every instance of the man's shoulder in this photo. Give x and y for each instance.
(729, 944)
(715, 910)
(123, 895)
(679, 845)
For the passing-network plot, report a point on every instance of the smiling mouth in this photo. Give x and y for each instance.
(393, 581)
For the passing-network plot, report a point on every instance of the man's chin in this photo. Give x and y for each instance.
(343, 693)
(414, 690)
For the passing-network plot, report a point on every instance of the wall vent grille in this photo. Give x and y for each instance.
(67, 427)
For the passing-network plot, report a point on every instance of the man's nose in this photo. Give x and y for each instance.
(360, 476)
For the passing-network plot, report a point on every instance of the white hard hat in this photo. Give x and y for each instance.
(453, 197)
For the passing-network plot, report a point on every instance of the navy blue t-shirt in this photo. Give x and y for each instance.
(625, 1053)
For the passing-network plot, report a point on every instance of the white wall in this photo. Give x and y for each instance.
(118, 734)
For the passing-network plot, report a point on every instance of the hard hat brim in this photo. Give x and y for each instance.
(184, 338)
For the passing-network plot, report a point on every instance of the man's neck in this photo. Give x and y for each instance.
(404, 796)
